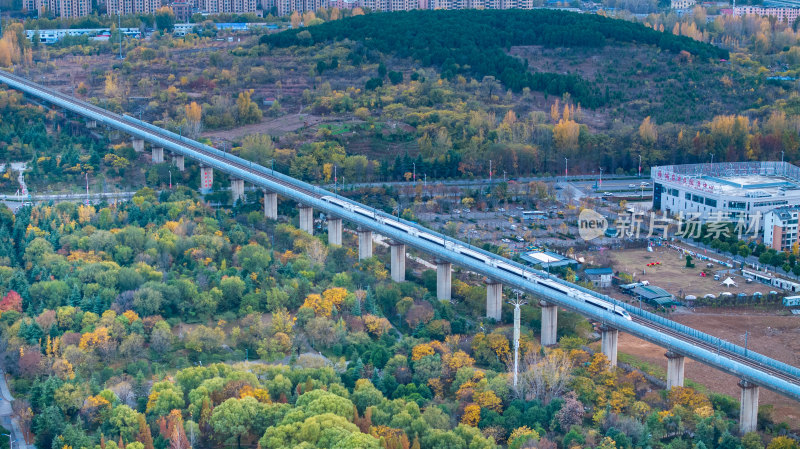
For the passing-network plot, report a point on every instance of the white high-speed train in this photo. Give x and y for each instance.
(480, 257)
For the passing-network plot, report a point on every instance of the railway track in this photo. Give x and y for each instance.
(716, 348)
(741, 365)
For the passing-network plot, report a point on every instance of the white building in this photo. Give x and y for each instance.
(788, 15)
(52, 36)
(780, 228)
(739, 190)
(682, 4)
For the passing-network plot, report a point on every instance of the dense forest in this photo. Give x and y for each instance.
(474, 43)
(163, 323)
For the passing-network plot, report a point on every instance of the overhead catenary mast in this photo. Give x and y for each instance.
(516, 303)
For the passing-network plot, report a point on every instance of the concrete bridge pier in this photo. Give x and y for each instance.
(398, 261)
(675, 364)
(206, 179)
(138, 145)
(444, 280)
(549, 323)
(91, 124)
(364, 243)
(748, 411)
(179, 161)
(271, 205)
(335, 231)
(494, 299)
(608, 344)
(306, 218)
(158, 155)
(237, 190)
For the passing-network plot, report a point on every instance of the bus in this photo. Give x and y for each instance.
(533, 215)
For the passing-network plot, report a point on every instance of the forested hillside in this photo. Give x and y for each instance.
(162, 323)
(475, 43)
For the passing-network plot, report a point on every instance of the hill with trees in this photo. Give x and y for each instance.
(474, 43)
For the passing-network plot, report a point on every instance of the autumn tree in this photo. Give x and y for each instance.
(165, 19)
(194, 119)
(647, 131)
(247, 110)
(544, 378)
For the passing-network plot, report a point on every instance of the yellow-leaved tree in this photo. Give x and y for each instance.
(194, 122)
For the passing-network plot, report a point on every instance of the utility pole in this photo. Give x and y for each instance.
(87, 188)
(640, 165)
(490, 172)
(516, 303)
(119, 30)
(414, 164)
(600, 184)
(335, 180)
(566, 169)
(10, 441)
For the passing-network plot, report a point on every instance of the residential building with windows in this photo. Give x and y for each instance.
(123, 7)
(682, 4)
(600, 277)
(286, 7)
(227, 6)
(62, 9)
(780, 228)
(738, 191)
(183, 10)
(788, 15)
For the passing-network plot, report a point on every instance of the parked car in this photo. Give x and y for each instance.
(608, 194)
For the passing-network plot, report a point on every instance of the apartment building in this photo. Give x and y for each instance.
(780, 228)
(123, 7)
(788, 15)
(682, 4)
(62, 9)
(286, 7)
(227, 6)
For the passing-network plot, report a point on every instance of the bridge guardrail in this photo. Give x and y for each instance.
(698, 335)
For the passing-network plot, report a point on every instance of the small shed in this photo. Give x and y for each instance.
(600, 277)
(655, 295)
(791, 301)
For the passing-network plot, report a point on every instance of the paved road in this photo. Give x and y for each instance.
(8, 421)
(583, 179)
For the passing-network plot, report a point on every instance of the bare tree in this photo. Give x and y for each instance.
(544, 378)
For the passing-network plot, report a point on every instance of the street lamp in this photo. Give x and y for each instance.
(566, 169)
(640, 165)
(10, 441)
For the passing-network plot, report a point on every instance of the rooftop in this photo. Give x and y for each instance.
(745, 179)
(546, 259)
(598, 271)
(651, 292)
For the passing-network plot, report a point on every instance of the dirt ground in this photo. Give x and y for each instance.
(673, 276)
(775, 336)
(275, 127)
